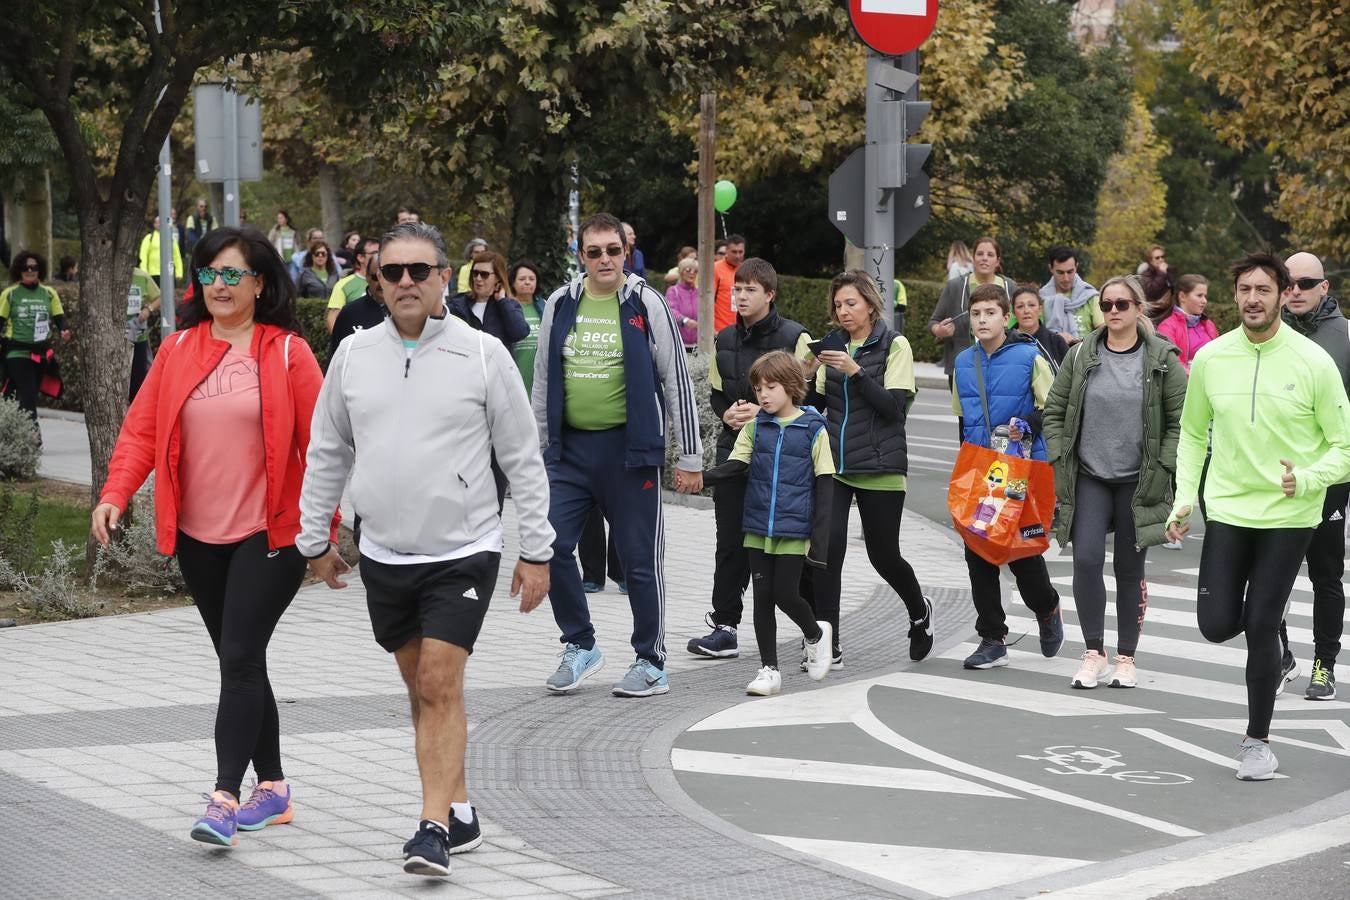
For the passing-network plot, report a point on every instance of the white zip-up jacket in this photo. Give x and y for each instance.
(427, 426)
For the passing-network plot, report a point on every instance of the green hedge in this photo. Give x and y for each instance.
(806, 300)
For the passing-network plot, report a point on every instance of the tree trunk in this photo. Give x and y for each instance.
(330, 202)
(28, 215)
(707, 226)
(539, 201)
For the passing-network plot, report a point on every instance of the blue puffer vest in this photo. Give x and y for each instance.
(780, 490)
(1007, 384)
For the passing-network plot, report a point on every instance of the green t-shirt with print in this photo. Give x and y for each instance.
(594, 392)
(527, 347)
(142, 292)
(28, 314)
(899, 376)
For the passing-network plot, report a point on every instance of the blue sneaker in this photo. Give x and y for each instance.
(989, 655)
(577, 665)
(642, 680)
(265, 807)
(464, 837)
(428, 851)
(623, 586)
(720, 644)
(591, 587)
(220, 824)
(1052, 633)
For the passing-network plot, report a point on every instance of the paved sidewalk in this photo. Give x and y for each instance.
(105, 746)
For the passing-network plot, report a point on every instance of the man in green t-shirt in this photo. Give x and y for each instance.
(610, 369)
(142, 301)
(350, 287)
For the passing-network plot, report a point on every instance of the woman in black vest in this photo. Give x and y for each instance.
(867, 390)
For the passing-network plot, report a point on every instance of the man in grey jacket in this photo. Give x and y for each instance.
(1311, 310)
(429, 401)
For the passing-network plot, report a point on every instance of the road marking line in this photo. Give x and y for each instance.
(1172, 592)
(828, 706)
(869, 723)
(1163, 616)
(1198, 650)
(1190, 749)
(1006, 696)
(1215, 865)
(1339, 731)
(934, 870)
(1149, 680)
(705, 762)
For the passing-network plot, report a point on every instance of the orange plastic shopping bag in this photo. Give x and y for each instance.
(1001, 505)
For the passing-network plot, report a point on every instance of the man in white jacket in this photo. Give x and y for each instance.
(429, 401)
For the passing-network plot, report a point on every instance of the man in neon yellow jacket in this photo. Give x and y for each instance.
(1281, 436)
(149, 255)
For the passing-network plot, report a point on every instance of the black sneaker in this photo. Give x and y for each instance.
(1288, 671)
(1322, 684)
(464, 838)
(921, 634)
(428, 851)
(1052, 633)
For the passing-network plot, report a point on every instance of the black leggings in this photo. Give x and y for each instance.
(241, 590)
(23, 382)
(1099, 507)
(140, 366)
(1245, 578)
(880, 512)
(775, 579)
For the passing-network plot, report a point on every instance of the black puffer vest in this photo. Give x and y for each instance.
(737, 348)
(862, 442)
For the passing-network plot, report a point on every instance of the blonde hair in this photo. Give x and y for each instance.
(1132, 284)
(859, 280)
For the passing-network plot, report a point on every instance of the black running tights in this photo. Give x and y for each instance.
(1246, 575)
(776, 579)
(241, 590)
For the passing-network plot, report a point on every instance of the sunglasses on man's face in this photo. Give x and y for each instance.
(614, 250)
(1307, 284)
(230, 275)
(1118, 305)
(393, 272)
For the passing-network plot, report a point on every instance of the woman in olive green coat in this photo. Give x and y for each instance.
(1111, 425)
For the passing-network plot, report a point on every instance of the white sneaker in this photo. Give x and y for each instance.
(1172, 545)
(1093, 668)
(767, 683)
(1256, 762)
(1125, 674)
(818, 654)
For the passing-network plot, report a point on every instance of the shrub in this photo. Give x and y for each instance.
(132, 560)
(56, 591)
(19, 446)
(18, 533)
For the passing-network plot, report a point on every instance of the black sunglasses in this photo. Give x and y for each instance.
(31, 267)
(393, 272)
(1307, 284)
(479, 273)
(595, 252)
(1119, 305)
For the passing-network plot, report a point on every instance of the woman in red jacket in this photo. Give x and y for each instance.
(223, 420)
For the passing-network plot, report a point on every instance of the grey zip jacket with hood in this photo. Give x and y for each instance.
(427, 427)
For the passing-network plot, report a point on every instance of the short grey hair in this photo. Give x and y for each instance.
(418, 231)
(476, 242)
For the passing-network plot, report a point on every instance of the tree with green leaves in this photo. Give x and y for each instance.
(128, 65)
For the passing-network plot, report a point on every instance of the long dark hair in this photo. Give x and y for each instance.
(276, 303)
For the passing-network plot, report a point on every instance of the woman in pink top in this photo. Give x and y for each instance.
(1187, 326)
(682, 298)
(223, 420)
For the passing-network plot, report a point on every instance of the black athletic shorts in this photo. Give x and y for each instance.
(443, 600)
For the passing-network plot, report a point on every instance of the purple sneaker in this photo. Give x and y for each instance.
(265, 807)
(220, 822)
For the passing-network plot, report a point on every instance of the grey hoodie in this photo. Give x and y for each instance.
(427, 427)
(1060, 311)
(1327, 327)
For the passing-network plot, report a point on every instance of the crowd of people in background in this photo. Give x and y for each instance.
(595, 370)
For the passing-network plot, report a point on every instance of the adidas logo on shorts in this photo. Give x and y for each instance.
(1336, 517)
(470, 594)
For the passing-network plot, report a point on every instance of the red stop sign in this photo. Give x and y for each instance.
(893, 27)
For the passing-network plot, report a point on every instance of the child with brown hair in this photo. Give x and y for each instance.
(784, 454)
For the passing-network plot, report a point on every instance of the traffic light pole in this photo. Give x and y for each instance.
(878, 210)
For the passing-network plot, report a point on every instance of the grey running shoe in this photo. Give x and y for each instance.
(1256, 762)
(642, 680)
(1288, 672)
(1322, 684)
(577, 665)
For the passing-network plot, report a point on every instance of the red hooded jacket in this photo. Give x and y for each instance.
(289, 380)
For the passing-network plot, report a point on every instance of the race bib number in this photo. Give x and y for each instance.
(287, 242)
(134, 300)
(41, 327)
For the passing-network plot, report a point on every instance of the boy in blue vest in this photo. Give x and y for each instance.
(784, 455)
(1016, 380)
